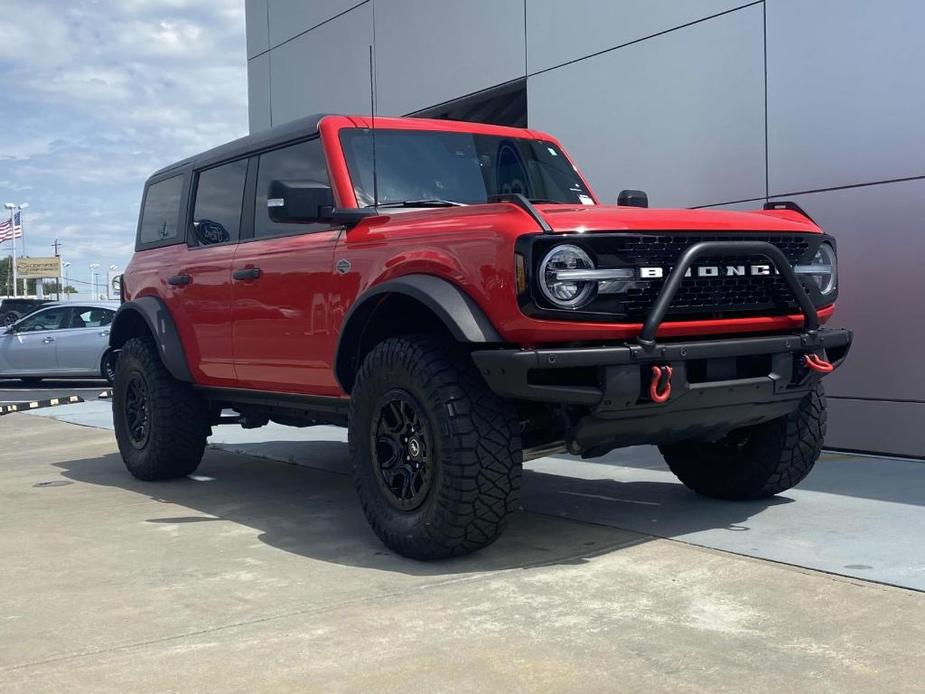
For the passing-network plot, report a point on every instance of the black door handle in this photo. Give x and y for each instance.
(248, 273)
(179, 280)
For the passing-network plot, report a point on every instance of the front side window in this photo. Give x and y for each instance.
(49, 319)
(421, 165)
(161, 213)
(304, 162)
(217, 212)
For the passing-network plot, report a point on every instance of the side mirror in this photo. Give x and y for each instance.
(633, 198)
(299, 202)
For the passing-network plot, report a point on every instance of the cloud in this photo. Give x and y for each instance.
(97, 95)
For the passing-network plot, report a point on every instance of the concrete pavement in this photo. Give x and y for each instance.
(854, 515)
(258, 576)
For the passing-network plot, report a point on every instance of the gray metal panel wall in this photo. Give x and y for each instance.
(881, 245)
(289, 18)
(846, 92)
(680, 115)
(879, 426)
(431, 51)
(325, 69)
(846, 103)
(258, 40)
(562, 31)
(258, 92)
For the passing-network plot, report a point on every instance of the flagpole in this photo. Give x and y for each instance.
(22, 230)
(13, 233)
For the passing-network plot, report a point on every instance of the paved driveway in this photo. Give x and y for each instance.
(258, 576)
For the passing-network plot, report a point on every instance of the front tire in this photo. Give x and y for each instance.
(754, 462)
(108, 366)
(436, 455)
(161, 423)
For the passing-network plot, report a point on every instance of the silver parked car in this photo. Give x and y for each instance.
(62, 340)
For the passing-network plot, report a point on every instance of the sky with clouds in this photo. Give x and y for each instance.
(97, 94)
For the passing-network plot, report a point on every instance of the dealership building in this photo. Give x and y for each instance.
(701, 103)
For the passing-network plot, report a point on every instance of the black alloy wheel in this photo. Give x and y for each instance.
(402, 449)
(436, 454)
(161, 423)
(137, 410)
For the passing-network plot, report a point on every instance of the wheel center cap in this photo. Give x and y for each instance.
(414, 448)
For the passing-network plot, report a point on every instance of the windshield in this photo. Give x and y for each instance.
(423, 165)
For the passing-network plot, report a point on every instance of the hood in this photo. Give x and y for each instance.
(592, 218)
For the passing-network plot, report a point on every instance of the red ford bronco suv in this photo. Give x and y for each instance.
(457, 296)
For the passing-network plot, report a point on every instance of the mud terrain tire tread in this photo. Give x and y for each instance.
(477, 457)
(179, 425)
(778, 455)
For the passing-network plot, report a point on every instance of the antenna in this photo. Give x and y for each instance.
(372, 101)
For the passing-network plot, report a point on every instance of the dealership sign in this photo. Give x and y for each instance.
(113, 284)
(38, 268)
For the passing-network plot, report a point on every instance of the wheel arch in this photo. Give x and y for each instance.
(409, 304)
(149, 316)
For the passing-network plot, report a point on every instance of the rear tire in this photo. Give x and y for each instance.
(436, 455)
(161, 423)
(754, 462)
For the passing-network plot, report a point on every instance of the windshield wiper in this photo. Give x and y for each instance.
(431, 202)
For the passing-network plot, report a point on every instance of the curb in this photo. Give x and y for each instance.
(36, 404)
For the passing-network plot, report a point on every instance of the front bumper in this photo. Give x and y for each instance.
(717, 385)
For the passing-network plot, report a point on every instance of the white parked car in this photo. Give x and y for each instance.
(61, 340)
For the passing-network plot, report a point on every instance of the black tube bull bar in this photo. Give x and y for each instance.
(720, 248)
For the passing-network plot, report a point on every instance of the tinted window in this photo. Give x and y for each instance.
(161, 211)
(217, 213)
(462, 167)
(302, 162)
(49, 319)
(91, 317)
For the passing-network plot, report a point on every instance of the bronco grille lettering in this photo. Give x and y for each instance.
(654, 273)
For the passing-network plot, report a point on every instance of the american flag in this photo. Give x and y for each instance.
(11, 229)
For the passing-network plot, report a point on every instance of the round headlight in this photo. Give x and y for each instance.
(555, 283)
(822, 269)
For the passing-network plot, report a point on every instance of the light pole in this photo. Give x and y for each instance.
(67, 297)
(93, 268)
(14, 208)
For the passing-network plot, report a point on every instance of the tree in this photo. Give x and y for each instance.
(6, 275)
(54, 287)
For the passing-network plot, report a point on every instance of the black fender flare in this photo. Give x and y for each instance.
(464, 319)
(153, 311)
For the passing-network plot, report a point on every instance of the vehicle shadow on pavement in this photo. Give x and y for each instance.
(314, 513)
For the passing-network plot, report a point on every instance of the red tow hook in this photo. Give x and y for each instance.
(659, 392)
(816, 363)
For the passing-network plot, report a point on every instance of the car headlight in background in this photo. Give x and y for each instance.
(822, 269)
(561, 279)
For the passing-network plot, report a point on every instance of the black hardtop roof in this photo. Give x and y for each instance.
(301, 127)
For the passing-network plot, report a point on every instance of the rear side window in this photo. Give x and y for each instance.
(302, 162)
(49, 319)
(217, 212)
(161, 213)
(91, 317)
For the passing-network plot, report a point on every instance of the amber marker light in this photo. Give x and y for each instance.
(520, 273)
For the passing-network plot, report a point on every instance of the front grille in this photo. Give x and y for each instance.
(699, 297)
